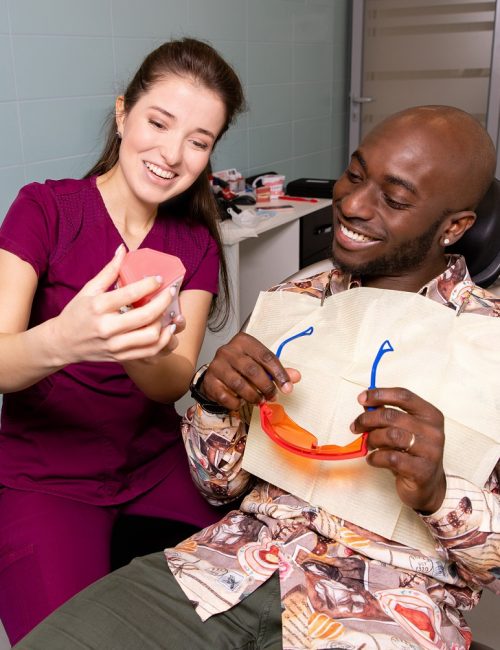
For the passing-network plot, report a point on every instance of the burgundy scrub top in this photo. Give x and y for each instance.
(87, 432)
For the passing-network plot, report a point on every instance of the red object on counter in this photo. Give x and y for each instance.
(285, 197)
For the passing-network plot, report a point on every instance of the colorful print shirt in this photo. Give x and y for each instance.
(341, 586)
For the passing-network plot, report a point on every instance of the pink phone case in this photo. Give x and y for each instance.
(145, 262)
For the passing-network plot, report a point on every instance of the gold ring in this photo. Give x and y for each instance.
(411, 443)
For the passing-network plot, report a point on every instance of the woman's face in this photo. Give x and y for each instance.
(167, 137)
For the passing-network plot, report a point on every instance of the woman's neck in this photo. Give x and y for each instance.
(132, 219)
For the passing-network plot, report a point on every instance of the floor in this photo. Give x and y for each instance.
(4, 641)
(484, 620)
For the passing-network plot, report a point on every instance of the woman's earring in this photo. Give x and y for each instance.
(118, 135)
(446, 241)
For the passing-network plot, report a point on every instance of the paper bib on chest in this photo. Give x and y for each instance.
(452, 362)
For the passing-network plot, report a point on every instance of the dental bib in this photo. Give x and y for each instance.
(452, 362)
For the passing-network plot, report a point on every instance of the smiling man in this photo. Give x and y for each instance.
(283, 573)
(397, 206)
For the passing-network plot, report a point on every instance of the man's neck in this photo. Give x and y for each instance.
(412, 281)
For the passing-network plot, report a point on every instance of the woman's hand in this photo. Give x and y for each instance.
(244, 369)
(91, 327)
(165, 377)
(409, 441)
(180, 324)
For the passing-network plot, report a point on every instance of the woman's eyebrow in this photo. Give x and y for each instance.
(172, 117)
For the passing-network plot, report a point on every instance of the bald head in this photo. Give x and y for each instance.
(456, 143)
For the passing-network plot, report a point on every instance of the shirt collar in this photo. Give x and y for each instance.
(451, 288)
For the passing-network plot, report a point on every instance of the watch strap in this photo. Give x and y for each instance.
(205, 403)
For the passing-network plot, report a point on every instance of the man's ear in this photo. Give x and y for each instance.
(456, 225)
(120, 114)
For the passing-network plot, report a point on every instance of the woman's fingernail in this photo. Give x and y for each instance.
(287, 387)
(119, 249)
(173, 291)
(173, 327)
(352, 427)
(159, 279)
(362, 397)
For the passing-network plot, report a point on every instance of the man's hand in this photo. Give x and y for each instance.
(245, 369)
(409, 442)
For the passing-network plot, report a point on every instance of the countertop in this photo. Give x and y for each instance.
(233, 234)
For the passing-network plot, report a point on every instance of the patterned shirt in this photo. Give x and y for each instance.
(341, 586)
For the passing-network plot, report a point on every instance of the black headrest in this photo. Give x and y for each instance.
(481, 244)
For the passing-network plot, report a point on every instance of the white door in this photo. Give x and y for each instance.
(411, 52)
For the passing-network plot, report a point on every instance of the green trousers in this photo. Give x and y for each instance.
(141, 607)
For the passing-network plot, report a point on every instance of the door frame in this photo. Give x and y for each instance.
(493, 110)
(357, 29)
(355, 96)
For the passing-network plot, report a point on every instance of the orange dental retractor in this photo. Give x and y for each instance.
(286, 433)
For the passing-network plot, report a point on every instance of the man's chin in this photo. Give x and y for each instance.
(350, 266)
(348, 259)
(365, 269)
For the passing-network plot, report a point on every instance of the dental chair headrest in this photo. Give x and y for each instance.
(481, 244)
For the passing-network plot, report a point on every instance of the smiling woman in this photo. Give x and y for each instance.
(89, 431)
(167, 138)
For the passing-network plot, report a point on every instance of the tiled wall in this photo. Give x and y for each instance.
(63, 61)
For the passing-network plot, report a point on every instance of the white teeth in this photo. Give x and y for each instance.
(354, 235)
(158, 171)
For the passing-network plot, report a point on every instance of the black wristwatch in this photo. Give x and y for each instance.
(205, 403)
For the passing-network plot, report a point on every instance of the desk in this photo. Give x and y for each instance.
(256, 261)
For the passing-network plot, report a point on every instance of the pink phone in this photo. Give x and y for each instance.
(144, 262)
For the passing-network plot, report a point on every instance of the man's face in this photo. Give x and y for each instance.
(390, 202)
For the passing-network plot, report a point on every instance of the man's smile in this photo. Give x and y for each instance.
(355, 236)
